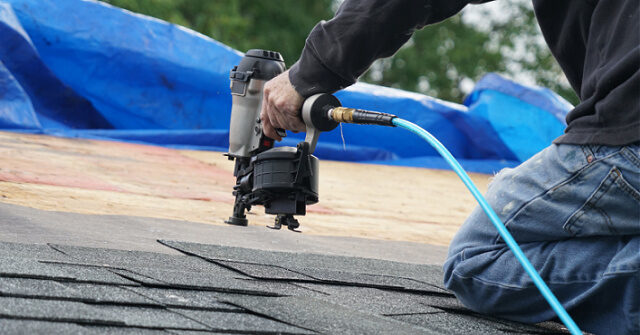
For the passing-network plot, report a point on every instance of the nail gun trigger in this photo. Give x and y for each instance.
(281, 132)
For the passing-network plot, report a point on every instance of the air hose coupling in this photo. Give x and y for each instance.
(360, 116)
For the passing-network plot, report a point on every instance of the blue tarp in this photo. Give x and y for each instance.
(80, 68)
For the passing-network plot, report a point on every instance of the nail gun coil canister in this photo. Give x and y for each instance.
(289, 177)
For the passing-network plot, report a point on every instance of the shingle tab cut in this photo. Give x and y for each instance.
(70, 311)
(240, 322)
(324, 317)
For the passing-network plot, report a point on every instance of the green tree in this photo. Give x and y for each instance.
(242, 24)
(437, 58)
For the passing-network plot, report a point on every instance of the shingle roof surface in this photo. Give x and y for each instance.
(49, 289)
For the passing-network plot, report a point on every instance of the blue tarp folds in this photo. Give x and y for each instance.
(81, 68)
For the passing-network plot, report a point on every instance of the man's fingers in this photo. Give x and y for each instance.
(280, 107)
(264, 116)
(269, 109)
(269, 130)
(267, 119)
(294, 124)
(289, 115)
(276, 117)
(267, 116)
(297, 125)
(285, 119)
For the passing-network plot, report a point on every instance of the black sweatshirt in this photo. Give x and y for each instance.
(597, 44)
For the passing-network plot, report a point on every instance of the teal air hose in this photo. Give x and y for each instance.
(506, 236)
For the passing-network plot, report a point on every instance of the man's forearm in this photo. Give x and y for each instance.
(338, 51)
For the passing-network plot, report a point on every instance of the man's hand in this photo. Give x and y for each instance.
(281, 107)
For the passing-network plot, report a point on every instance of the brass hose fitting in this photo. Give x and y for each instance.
(342, 114)
(359, 116)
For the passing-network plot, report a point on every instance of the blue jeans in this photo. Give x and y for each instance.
(575, 212)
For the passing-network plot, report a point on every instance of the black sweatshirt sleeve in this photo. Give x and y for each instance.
(338, 51)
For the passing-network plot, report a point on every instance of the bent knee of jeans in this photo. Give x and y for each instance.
(471, 275)
(460, 270)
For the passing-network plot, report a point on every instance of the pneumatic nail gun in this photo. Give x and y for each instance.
(282, 179)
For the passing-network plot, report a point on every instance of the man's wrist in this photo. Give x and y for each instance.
(310, 76)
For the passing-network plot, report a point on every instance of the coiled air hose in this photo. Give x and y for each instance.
(504, 233)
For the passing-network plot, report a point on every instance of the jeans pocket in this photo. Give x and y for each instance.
(612, 209)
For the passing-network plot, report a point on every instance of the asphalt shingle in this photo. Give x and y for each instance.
(364, 279)
(305, 267)
(187, 298)
(34, 327)
(91, 293)
(448, 323)
(196, 281)
(78, 312)
(90, 273)
(103, 330)
(31, 268)
(324, 317)
(372, 300)
(227, 290)
(31, 251)
(261, 271)
(127, 259)
(240, 322)
(289, 260)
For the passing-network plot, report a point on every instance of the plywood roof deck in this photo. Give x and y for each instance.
(106, 177)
